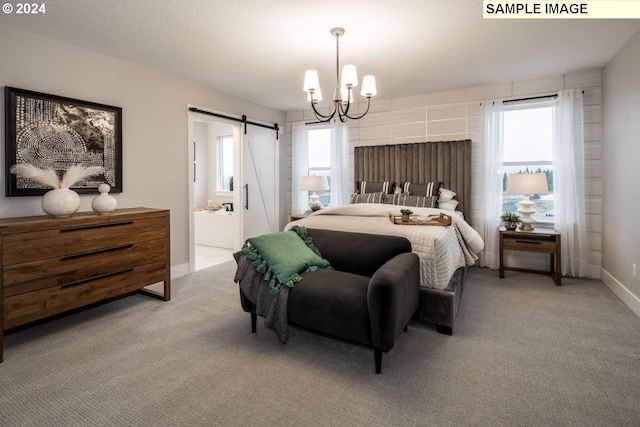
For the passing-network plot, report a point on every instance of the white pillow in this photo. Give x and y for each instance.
(446, 195)
(449, 205)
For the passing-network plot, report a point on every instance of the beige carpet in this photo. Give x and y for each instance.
(524, 352)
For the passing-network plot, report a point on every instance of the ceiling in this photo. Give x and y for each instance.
(259, 50)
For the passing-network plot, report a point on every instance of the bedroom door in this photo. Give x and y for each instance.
(260, 182)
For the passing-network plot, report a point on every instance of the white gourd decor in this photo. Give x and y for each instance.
(104, 203)
(61, 201)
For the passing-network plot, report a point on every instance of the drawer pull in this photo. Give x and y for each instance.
(104, 276)
(117, 248)
(89, 227)
(528, 242)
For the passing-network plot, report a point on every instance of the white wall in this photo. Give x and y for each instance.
(155, 151)
(621, 204)
(201, 150)
(455, 114)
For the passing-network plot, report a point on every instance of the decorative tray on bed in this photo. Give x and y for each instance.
(442, 219)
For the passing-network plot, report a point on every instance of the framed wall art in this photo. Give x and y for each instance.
(53, 131)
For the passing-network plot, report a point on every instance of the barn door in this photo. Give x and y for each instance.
(260, 182)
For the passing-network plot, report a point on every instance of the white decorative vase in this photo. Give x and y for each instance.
(60, 202)
(104, 203)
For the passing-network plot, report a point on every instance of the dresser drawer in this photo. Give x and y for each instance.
(27, 307)
(65, 270)
(71, 240)
(531, 244)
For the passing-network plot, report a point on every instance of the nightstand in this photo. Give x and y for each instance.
(537, 240)
(299, 216)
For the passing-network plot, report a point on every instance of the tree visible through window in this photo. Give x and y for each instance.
(320, 159)
(528, 137)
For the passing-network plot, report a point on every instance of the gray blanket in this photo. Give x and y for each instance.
(255, 289)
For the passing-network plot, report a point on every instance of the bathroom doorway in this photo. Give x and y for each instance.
(234, 191)
(215, 224)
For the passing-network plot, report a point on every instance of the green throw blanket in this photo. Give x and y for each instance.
(281, 257)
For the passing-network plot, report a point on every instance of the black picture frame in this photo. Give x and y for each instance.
(54, 131)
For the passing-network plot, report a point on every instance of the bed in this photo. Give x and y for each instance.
(445, 252)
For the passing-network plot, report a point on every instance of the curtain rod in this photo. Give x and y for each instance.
(555, 95)
(242, 120)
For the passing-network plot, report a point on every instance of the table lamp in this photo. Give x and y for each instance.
(314, 183)
(527, 184)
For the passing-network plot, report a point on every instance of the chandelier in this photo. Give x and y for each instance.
(342, 95)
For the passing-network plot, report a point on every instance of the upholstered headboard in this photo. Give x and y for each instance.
(446, 161)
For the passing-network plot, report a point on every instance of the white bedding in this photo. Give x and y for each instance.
(442, 250)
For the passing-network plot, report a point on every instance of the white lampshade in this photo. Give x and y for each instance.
(349, 76)
(314, 183)
(311, 81)
(368, 86)
(527, 183)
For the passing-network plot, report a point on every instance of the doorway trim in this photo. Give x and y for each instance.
(194, 117)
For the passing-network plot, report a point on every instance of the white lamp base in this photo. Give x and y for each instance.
(314, 200)
(526, 211)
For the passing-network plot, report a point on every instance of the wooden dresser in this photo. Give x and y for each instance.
(52, 265)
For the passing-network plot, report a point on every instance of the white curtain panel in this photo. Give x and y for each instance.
(491, 181)
(569, 182)
(299, 166)
(340, 193)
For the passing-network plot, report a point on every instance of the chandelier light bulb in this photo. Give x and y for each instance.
(317, 96)
(344, 91)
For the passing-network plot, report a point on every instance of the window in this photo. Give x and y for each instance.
(320, 159)
(225, 163)
(528, 136)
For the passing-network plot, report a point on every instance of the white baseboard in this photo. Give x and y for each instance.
(622, 292)
(179, 270)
